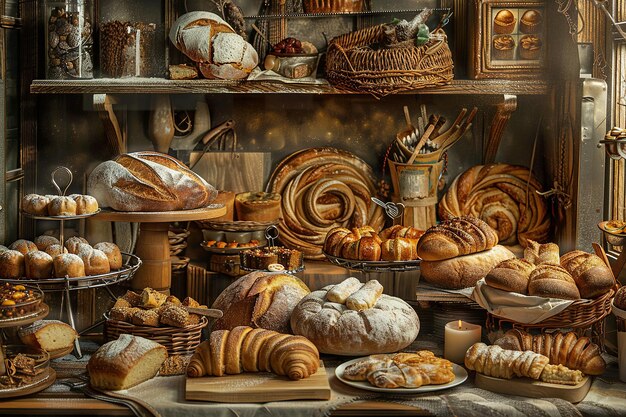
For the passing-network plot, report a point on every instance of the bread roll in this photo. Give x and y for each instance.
(546, 253)
(54, 250)
(38, 265)
(35, 204)
(592, 276)
(48, 335)
(463, 271)
(125, 362)
(112, 252)
(68, 265)
(339, 293)
(399, 249)
(401, 231)
(552, 281)
(73, 242)
(260, 299)
(85, 204)
(366, 248)
(511, 275)
(366, 296)
(12, 264)
(94, 260)
(43, 241)
(148, 181)
(24, 246)
(620, 298)
(62, 206)
(334, 239)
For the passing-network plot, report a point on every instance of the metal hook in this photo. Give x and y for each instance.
(54, 183)
(271, 234)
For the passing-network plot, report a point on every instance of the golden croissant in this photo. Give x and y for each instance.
(244, 349)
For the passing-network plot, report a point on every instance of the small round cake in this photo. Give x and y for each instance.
(38, 265)
(35, 204)
(24, 246)
(112, 252)
(85, 204)
(530, 47)
(44, 241)
(530, 22)
(504, 22)
(503, 47)
(263, 258)
(68, 265)
(11, 264)
(62, 206)
(258, 207)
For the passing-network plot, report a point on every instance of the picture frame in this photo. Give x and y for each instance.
(508, 39)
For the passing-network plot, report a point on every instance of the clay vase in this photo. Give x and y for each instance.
(161, 124)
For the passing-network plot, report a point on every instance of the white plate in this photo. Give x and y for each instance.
(459, 372)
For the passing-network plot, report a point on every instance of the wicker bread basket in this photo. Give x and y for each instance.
(177, 340)
(351, 64)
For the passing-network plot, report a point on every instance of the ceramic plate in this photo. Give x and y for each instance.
(459, 372)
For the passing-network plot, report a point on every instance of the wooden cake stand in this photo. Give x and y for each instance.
(152, 243)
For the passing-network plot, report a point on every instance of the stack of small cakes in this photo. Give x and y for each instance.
(45, 257)
(51, 205)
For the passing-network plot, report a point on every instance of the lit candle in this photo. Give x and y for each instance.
(459, 336)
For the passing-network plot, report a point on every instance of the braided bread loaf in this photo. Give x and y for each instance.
(561, 349)
(505, 197)
(244, 349)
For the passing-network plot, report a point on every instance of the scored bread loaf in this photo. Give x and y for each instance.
(399, 249)
(511, 275)
(552, 281)
(542, 253)
(125, 362)
(244, 349)
(148, 181)
(463, 271)
(48, 335)
(592, 276)
(260, 299)
(401, 231)
(561, 349)
(456, 237)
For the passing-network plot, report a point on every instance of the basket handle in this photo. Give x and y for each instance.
(602, 254)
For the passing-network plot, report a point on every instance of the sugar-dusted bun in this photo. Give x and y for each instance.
(35, 204)
(54, 250)
(72, 243)
(38, 265)
(112, 252)
(95, 261)
(85, 204)
(11, 264)
(44, 241)
(24, 246)
(62, 206)
(69, 265)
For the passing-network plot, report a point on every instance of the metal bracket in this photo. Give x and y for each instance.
(103, 103)
(498, 125)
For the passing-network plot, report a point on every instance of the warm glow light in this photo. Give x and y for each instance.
(460, 324)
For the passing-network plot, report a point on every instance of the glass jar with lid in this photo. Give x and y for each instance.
(69, 39)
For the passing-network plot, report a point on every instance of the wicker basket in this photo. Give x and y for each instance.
(333, 6)
(351, 64)
(177, 340)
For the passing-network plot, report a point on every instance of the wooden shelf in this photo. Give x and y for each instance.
(163, 86)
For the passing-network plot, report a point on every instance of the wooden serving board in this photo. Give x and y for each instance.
(258, 388)
(536, 389)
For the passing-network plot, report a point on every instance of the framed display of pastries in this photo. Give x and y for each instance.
(507, 39)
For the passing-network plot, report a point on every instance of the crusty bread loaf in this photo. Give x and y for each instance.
(112, 252)
(12, 264)
(456, 237)
(511, 275)
(38, 265)
(592, 276)
(463, 271)
(94, 260)
(390, 325)
(260, 299)
(125, 362)
(68, 265)
(48, 335)
(552, 281)
(538, 253)
(148, 181)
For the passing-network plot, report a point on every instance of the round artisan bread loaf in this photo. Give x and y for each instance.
(260, 299)
(592, 276)
(552, 281)
(390, 325)
(511, 275)
(463, 271)
(148, 181)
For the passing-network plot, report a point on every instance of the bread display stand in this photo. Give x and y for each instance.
(153, 244)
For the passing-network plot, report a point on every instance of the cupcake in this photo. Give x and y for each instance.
(504, 22)
(503, 47)
(531, 21)
(530, 47)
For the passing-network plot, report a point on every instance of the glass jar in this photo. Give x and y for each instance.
(127, 49)
(69, 39)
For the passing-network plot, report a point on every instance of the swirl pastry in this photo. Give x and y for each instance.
(497, 194)
(323, 188)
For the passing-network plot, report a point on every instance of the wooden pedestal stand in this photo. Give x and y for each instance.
(152, 243)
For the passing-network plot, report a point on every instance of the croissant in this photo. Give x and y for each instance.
(561, 349)
(244, 349)
(398, 375)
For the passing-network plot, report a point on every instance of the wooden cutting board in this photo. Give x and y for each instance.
(536, 389)
(258, 388)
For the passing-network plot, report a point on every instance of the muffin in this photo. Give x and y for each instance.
(530, 47)
(504, 22)
(530, 22)
(503, 47)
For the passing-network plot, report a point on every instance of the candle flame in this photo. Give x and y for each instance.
(460, 324)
